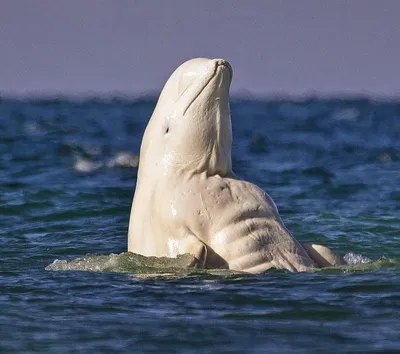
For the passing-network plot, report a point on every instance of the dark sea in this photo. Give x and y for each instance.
(67, 177)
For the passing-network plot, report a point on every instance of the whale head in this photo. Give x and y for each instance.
(190, 129)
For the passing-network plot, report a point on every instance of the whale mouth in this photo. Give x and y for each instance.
(218, 64)
(225, 64)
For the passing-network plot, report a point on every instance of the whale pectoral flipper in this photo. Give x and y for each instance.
(322, 255)
(192, 245)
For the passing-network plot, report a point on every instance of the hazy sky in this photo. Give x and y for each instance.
(131, 47)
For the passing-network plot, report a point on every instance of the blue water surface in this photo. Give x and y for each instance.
(67, 176)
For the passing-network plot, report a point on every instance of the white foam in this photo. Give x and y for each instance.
(354, 258)
(86, 166)
(124, 159)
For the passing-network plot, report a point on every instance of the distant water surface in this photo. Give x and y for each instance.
(67, 176)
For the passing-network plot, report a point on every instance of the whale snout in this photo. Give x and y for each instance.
(224, 64)
(194, 78)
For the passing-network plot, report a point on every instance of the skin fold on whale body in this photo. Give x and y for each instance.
(188, 200)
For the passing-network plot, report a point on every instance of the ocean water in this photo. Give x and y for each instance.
(67, 176)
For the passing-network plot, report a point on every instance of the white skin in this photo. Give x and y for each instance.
(188, 200)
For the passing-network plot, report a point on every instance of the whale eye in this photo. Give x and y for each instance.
(166, 127)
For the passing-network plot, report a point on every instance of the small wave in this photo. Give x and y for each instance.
(86, 166)
(36, 128)
(354, 258)
(139, 265)
(121, 160)
(181, 266)
(126, 262)
(124, 160)
(358, 263)
(348, 114)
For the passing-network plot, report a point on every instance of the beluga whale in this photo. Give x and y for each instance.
(187, 198)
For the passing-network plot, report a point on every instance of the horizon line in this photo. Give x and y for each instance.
(153, 94)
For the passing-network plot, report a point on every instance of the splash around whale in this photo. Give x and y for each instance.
(148, 267)
(187, 197)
